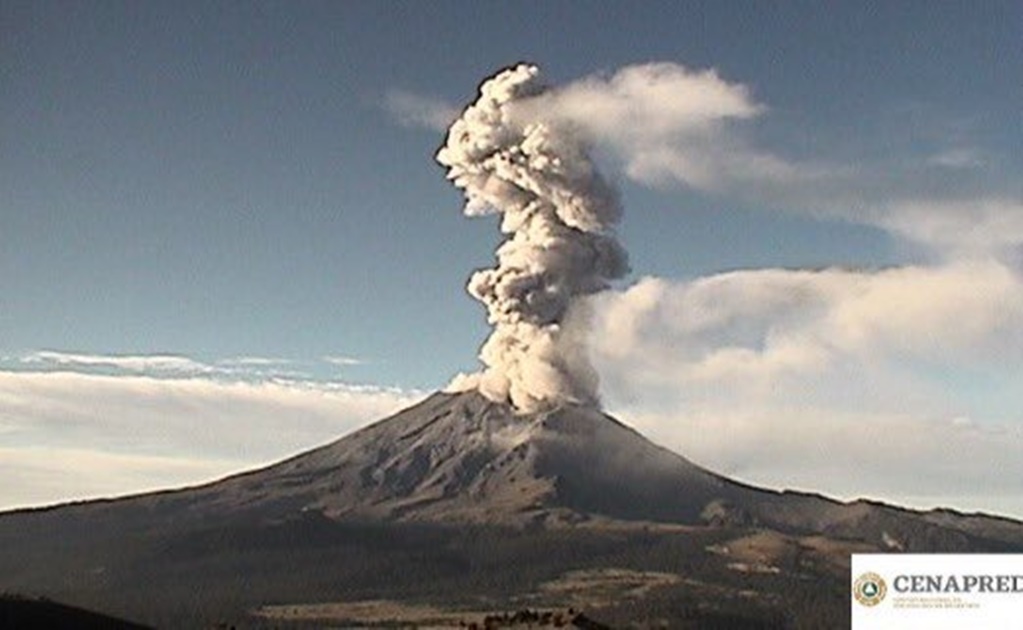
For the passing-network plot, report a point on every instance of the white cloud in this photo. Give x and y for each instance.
(957, 159)
(416, 110)
(770, 319)
(650, 101)
(46, 475)
(136, 428)
(131, 363)
(343, 361)
(162, 365)
(842, 381)
(957, 227)
(669, 123)
(255, 361)
(900, 458)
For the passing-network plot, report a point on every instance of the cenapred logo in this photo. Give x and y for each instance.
(869, 589)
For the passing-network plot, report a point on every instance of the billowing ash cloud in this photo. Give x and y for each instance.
(558, 214)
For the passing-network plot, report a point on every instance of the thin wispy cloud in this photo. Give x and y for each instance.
(343, 361)
(957, 159)
(667, 123)
(162, 365)
(416, 110)
(159, 363)
(255, 361)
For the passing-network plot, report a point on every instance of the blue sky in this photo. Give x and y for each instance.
(231, 211)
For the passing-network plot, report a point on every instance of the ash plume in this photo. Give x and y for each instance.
(558, 214)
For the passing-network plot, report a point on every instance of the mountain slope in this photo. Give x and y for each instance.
(463, 458)
(460, 458)
(20, 612)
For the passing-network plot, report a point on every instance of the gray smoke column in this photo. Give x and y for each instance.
(558, 215)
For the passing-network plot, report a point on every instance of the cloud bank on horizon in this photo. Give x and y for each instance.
(139, 423)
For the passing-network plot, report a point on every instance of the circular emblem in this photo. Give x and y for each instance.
(869, 589)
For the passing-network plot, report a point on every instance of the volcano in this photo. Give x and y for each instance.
(458, 495)
(463, 459)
